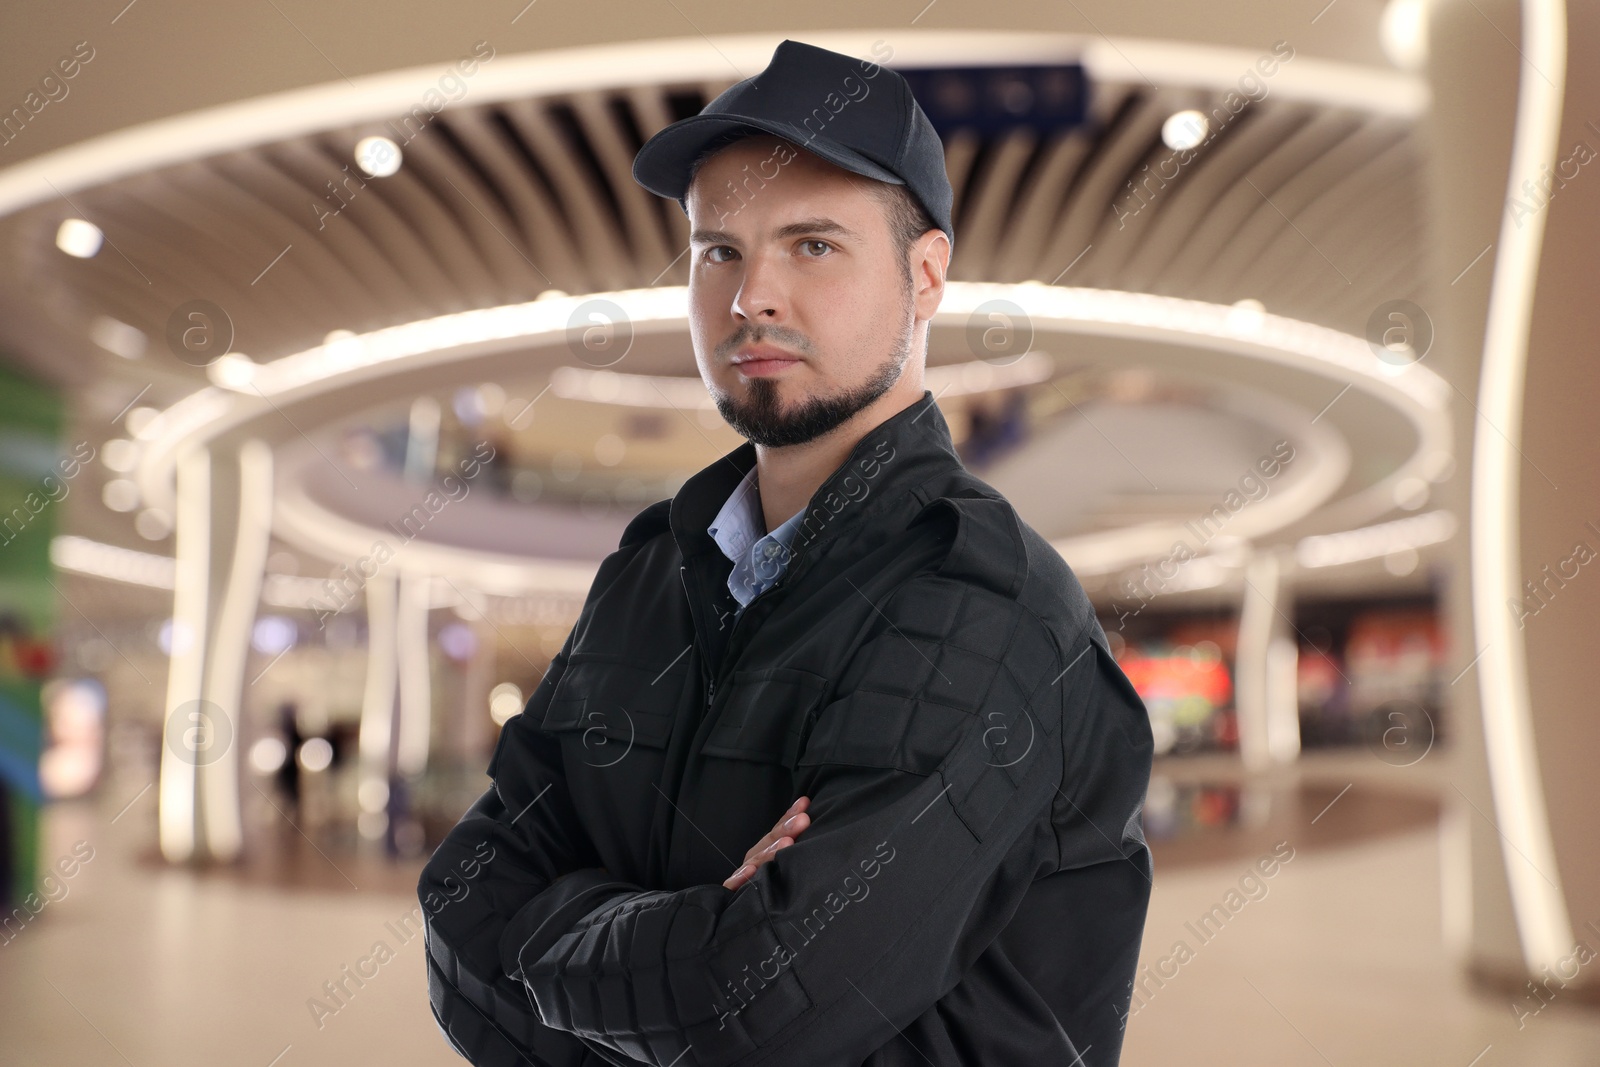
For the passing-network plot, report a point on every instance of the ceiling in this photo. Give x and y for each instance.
(1306, 200)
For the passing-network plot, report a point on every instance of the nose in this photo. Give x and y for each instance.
(760, 297)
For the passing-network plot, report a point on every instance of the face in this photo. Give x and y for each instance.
(792, 259)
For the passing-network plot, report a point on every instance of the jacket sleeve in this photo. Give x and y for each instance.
(934, 774)
(515, 841)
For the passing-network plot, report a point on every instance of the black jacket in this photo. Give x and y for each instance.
(973, 884)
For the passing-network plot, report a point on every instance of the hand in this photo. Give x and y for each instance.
(782, 835)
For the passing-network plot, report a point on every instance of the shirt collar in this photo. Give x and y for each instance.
(912, 445)
(739, 523)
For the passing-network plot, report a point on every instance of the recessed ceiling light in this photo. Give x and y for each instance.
(79, 237)
(1184, 129)
(378, 156)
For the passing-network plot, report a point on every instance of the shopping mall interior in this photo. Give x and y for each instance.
(339, 346)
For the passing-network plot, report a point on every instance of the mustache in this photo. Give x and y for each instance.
(792, 340)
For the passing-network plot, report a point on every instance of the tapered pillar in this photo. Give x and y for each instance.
(222, 528)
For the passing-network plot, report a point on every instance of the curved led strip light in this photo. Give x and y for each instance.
(1535, 882)
(380, 97)
(1417, 391)
(1327, 454)
(357, 360)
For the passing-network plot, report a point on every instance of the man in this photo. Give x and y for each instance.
(834, 653)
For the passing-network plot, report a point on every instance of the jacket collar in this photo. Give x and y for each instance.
(892, 458)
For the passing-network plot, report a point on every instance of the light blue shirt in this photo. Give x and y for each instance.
(758, 559)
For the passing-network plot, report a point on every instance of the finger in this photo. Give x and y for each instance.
(788, 828)
(755, 860)
(779, 829)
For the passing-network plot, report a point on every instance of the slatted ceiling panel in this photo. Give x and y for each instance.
(274, 178)
(961, 156)
(1357, 305)
(1192, 195)
(1134, 208)
(1018, 257)
(1325, 221)
(540, 230)
(613, 148)
(495, 203)
(1045, 188)
(163, 264)
(1362, 229)
(1320, 231)
(605, 257)
(990, 200)
(471, 211)
(1216, 201)
(286, 186)
(1241, 205)
(1104, 177)
(651, 114)
(222, 249)
(449, 144)
(1263, 251)
(437, 214)
(577, 144)
(1267, 211)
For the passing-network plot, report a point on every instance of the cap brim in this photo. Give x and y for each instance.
(662, 165)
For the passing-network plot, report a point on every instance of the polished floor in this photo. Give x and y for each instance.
(1337, 959)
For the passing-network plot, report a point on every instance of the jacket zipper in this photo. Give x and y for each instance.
(712, 677)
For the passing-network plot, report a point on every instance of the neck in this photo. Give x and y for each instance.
(787, 477)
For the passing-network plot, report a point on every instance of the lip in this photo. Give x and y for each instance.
(762, 353)
(761, 360)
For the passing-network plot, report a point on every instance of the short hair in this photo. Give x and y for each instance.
(907, 218)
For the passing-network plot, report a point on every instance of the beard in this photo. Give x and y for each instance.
(761, 418)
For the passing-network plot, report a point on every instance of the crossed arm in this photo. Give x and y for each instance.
(923, 836)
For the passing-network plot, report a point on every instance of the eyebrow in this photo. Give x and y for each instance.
(794, 229)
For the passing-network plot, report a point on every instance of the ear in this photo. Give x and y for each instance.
(930, 263)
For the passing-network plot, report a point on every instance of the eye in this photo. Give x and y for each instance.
(814, 241)
(710, 253)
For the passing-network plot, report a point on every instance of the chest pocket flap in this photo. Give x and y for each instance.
(767, 715)
(609, 698)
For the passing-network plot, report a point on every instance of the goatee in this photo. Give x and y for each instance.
(761, 419)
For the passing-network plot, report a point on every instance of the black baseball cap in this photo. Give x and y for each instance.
(851, 112)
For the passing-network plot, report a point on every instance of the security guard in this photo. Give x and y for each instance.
(835, 768)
